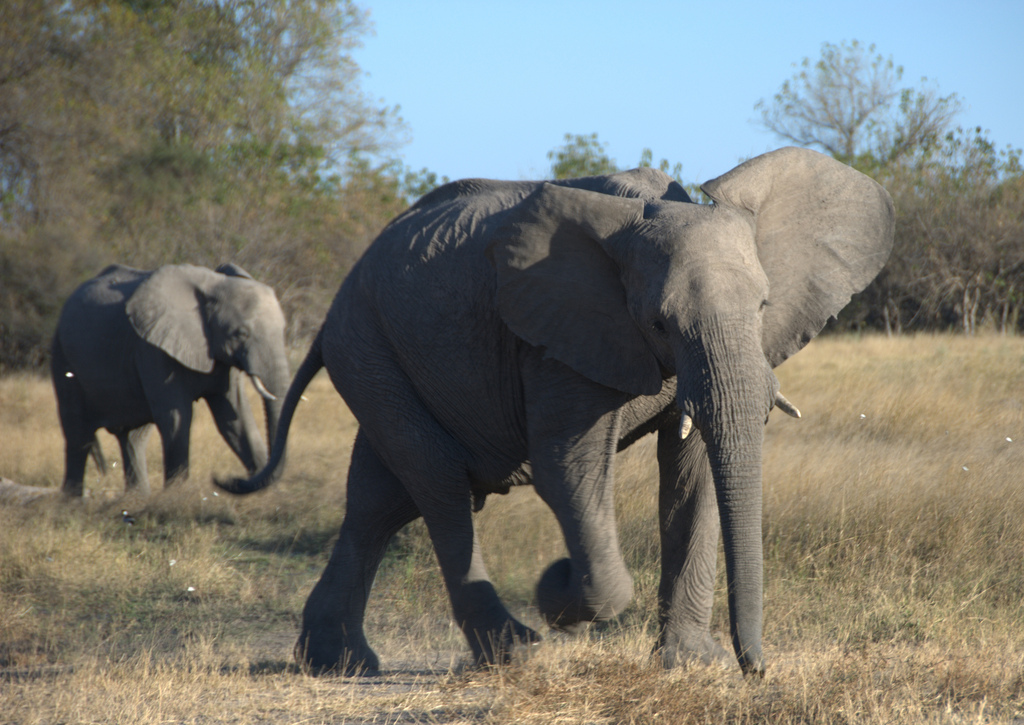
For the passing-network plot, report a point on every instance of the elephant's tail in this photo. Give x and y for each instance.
(275, 466)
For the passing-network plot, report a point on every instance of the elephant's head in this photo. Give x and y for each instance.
(628, 293)
(202, 317)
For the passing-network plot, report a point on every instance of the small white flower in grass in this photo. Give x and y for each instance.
(965, 468)
(1009, 439)
(190, 589)
(204, 498)
(862, 416)
(218, 495)
(69, 374)
(173, 562)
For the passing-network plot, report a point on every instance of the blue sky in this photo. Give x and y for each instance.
(488, 87)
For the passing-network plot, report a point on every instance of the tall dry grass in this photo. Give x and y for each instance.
(894, 544)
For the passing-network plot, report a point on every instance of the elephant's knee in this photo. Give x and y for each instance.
(566, 596)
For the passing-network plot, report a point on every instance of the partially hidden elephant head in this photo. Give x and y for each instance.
(201, 317)
(630, 292)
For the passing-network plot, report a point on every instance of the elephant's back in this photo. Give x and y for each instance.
(107, 291)
(94, 334)
(424, 294)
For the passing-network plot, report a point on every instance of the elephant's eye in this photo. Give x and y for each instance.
(659, 326)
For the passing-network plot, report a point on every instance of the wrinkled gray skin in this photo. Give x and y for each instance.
(503, 332)
(135, 348)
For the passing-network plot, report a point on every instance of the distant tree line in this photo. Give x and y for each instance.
(958, 261)
(147, 132)
(204, 131)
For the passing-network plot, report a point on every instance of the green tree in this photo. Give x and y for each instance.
(584, 155)
(261, 82)
(958, 256)
(958, 260)
(849, 103)
(580, 155)
(155, 131)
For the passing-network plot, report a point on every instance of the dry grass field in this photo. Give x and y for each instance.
(894, 587)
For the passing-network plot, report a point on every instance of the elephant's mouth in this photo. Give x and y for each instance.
(781, 402)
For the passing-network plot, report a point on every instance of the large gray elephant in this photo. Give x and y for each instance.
(134, 348)
(499, 333)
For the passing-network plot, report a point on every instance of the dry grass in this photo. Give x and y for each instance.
(894, 539)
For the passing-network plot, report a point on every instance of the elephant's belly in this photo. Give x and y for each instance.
(117, 409)
(498, 481)
(118, 421)
(482, 485)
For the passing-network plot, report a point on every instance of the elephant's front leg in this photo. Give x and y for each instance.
(573, 433)
(168, 388)
(133, 453)
(688, 514)
(174, 425)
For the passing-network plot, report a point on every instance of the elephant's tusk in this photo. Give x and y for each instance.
(785, 406)
(261, 388)
(685, 426)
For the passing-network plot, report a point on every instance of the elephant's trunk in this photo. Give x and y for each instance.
(272, 410)
(271, 379)
(279, 418)
(729, 404)
(736, 466)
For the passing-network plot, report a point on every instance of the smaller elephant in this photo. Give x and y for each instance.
(136, 348)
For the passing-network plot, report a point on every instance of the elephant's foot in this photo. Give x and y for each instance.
(72, 489)
(351, 656)
(566, 597)
(494, 646)
(677, 651)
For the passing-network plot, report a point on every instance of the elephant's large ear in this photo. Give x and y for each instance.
(165, 311)
(558, 287)
(823, 230)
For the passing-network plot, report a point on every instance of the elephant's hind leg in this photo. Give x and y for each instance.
(79, 435)
(378, 506)
(76, 454)
(432, 468)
